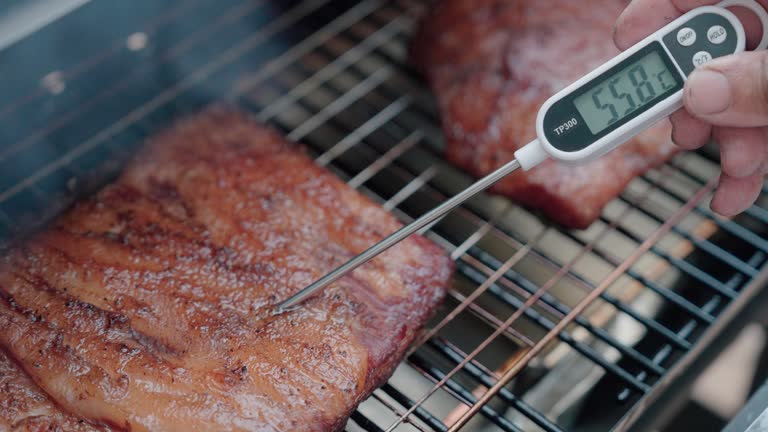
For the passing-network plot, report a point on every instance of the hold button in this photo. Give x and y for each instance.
(717, 34)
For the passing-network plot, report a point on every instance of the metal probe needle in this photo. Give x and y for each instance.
(400, 235)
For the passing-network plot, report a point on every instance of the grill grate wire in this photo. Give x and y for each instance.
(332, 75)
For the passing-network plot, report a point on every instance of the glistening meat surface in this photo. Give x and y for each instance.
(150, 305)
(493, 63)
(25, 408)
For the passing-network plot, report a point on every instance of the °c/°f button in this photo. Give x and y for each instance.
(701, 58)
(686, 37)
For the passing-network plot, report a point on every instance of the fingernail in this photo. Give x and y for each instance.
(673, 134)
(709, 92)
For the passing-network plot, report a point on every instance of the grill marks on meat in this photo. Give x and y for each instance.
(25, 408)
(493, 63)
(149, 306)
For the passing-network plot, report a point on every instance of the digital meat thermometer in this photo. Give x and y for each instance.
(602, 110)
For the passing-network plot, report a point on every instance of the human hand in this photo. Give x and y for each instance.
(726, 99)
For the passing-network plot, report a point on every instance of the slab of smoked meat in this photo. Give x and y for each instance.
(150, 306)
(493, 63)
(25, 408)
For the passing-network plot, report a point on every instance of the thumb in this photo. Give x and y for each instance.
(730, 91)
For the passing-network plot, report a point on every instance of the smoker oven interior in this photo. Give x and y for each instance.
(589, 325)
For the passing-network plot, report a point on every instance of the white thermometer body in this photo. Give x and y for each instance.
(632, 91)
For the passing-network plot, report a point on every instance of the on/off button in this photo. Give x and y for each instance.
(686, 37)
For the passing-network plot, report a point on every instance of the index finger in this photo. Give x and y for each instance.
(643, 17)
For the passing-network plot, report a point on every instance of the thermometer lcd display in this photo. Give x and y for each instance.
(629, 90)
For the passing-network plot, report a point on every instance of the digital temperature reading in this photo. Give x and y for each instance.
(625, 92)
(600, 111)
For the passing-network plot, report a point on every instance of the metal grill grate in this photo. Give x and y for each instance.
(543, 330)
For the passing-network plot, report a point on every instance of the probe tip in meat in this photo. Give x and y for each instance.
(400, 235)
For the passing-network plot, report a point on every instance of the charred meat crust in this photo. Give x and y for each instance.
(150, 305)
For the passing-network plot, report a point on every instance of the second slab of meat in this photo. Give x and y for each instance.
(493, 63)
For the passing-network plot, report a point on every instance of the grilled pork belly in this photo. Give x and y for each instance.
(493, 63)
(150, 306)
(25, 408)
